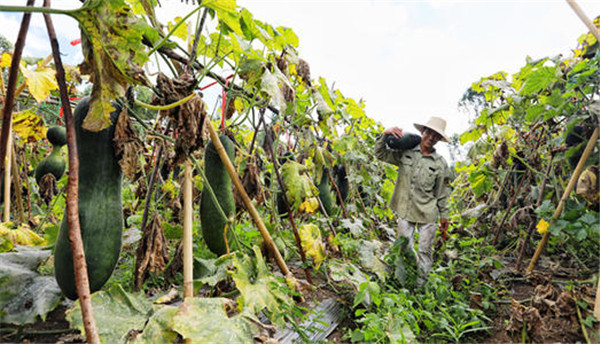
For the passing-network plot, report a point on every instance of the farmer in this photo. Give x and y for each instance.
(420, 193)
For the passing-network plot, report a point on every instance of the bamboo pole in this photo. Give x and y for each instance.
(13, 75)
(542, 244)
(597, 303)
(251, 209)
(188, 208)
(7, 174)
(584, 19)
(18, 187)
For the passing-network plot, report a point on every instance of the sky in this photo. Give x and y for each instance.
(407, 59)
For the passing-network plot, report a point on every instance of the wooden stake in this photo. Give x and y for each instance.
(18, 188)
(597, 303)
(72, 211)
(7, 173)
(188, 210)
(251, 209)
(542, 244)
(13, 75)
(584, 19)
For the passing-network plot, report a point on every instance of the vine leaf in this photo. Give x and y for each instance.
(312, 243)
(277, 86)
(22, 235)
(117, 313)
(259, 289)
(158, 329)
(29, 125)
(221, 6)
(40, 82)
(205, 320)
(539, 79)
(299, 187)
(152, 255)
(25, 295)
(182, 30)
(114, 55)
(5, 60)
(128, 145)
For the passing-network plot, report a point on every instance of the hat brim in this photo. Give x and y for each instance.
(421, 126)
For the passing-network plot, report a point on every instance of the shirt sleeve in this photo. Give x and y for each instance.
(383, 153)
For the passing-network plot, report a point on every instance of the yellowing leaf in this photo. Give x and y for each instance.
(310, 205)
(5, 60)
(111, 40)
(28, 125)
(310, 238)
(40, 82)
(238, 104)
(21, 235)
(181, 31)
(542, 226)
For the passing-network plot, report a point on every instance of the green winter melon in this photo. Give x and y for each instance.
(100, 207)
(213, 223)
(325, 193)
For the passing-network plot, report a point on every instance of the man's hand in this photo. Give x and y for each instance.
(444, 228)
(395, 131)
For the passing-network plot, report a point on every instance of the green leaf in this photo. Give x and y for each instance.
(472, 134)
(249, 28)
(369, 252)
(259, 289)
(158, 329)
(400, 331)
(300, 188)
(24, 294)
(284, 37)
(205, 320)
(535, 112)
(323, 108)
(581, 234)
(538, 80)
(221, 6)
(346, 273)
(116, 312)
(211, 271)
(480, 182)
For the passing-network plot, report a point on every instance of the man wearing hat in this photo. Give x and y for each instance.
(420, 193)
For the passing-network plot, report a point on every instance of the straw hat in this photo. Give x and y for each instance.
(436, 124)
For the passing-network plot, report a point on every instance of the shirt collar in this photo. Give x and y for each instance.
(433, 153)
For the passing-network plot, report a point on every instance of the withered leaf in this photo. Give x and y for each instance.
(152, 255)
(127, 145)
(48, 187)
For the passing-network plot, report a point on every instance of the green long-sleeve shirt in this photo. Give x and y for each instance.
(421, 186)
